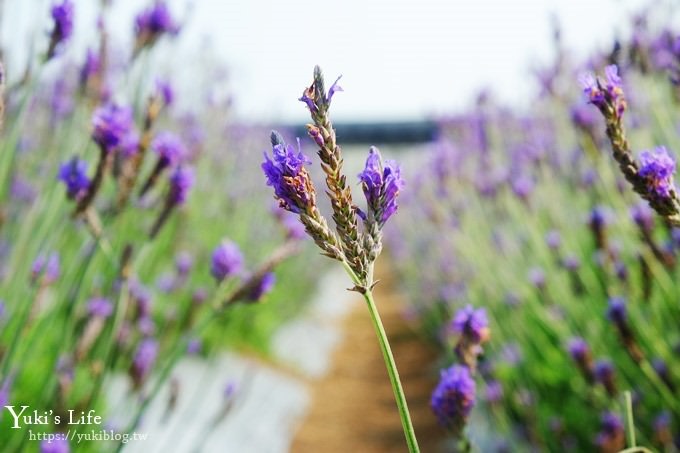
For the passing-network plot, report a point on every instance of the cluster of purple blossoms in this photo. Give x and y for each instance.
(616, 312)
(381, 185)
(111, 124)
(99, 307)
(657, 168)
(580, 353)
(90, 68)
(166, 92)
(315, 102)
(454, 397)
(611, 435)
(264, 285)
(154, 21)
(471, 323)
(169, 147)
(578, 349)
(49, 267)
(62, 15)
(74, 176)
(144, 359)
(285, 172)
(607, 93)
(226, 261)
(181, 182)
(606, 375)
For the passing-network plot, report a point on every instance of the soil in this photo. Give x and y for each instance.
(353, 407)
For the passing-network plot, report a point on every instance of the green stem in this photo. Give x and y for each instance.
(393, 373)
(629, 420)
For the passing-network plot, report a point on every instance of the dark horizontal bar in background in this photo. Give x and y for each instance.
(381, 133)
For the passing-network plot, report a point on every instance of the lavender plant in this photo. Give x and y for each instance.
(578, 278)
(84, 300)
(354, 248)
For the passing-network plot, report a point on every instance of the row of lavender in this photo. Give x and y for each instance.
(127, 228)
(550, 285)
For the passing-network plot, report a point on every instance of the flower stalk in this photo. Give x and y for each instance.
(356, 249)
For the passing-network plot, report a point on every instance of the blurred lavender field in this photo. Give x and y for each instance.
(526, 166)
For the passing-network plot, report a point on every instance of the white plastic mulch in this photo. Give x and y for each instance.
(264, 404)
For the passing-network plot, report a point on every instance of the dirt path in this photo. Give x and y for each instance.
(353, 408)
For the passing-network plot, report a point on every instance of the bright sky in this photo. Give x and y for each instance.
(399, 59)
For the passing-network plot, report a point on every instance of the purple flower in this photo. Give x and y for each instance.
(381, 185)
(599, 217)
(181, 182)
(169, 147)
(611, 435)
(604, 370)
(49, 267)
(90, 67)
(146, 326)
(144, 358)
(553, 239)
(129, 144)
(154, 21)
(285, 172)
(316, 100)
(494, 391)
(194, 346)
(583, 116)
(571, 262)
(643, 216)
(57, 445)
(605, 93)
(111, 123)
(99, 307)
(617, 310)
(263, 286)
(4, 390)
(226, 261)
(537, 277)
(199, 296)
(522, 186)
(578, 349)
(22, 190)
(62, 15)
(74, 176)
(592, 90)
(165, 89)
(657, 168)
(454, 397)
(662, 425)
(471, 323)
(184, 262)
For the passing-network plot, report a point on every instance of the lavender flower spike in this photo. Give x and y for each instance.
(471, 323)
(606, 95)
(111, 123)
(226, 261)
(652, 180)
(181, 182)
(381, 185)
(657, 169)
(74, 176)
(454, 397)
(143, 361)
(316, 98)
(294, 190)
(285, 172)
(62, 15)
